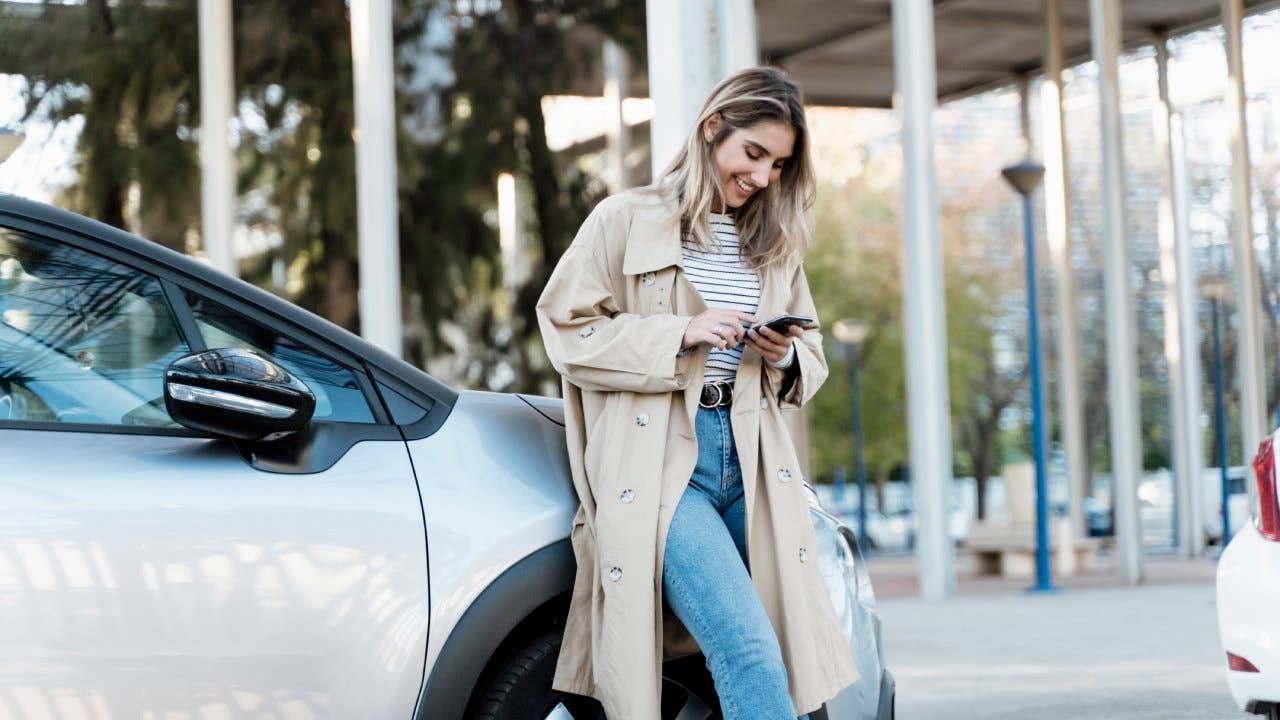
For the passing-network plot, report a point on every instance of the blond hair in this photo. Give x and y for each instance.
(772, 224)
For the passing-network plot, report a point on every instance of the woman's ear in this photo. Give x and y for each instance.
(711, 127)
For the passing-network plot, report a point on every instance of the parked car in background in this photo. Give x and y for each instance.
(215, 503)
(892, 529)
(1248, 594)
(1237, 500)
(1097, 517)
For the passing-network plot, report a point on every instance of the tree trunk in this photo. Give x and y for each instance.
(340, 305)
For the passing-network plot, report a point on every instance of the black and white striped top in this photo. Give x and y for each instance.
(725, 280)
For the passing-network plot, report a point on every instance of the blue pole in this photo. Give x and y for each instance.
(1043, 581)
(1220, 422)
(855, 423)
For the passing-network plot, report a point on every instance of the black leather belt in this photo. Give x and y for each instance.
(716, 394)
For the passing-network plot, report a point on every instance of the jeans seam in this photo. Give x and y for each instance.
(724, 460)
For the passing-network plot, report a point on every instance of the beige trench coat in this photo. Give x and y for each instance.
(613, 317)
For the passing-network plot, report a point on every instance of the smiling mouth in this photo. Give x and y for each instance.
(748, 189)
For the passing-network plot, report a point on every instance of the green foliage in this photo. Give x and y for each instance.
(854, 269)
(128, 69)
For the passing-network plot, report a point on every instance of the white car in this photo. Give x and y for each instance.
(1248, 595)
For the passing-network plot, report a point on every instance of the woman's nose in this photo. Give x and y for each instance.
(760, 177)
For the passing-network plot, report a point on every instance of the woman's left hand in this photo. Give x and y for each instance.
(771, 344)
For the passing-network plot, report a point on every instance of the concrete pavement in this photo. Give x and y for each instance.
(1096, 652)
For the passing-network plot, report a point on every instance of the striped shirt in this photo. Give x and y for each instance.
(725, 280)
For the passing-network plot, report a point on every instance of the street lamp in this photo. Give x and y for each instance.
(1025, 177)
(9, 141)
(1215, 289)
(851, 333)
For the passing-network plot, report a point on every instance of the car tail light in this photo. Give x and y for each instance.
(1264, 468)
(1239, 664)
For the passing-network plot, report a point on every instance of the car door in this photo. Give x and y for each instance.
(149, 571)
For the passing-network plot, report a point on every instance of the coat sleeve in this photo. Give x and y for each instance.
(590, 341)
(797, 383)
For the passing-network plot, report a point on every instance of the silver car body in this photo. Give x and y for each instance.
(145, 576)
(159, 573)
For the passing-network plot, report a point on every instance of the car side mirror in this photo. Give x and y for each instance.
(236, 393)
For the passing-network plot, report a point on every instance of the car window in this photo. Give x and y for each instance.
(338, 394)
(83, 339)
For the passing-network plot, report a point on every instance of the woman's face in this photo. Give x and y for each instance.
(751, 158)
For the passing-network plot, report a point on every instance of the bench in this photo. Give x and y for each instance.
(1010, 550)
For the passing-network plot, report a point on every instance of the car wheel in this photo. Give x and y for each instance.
(521, 689)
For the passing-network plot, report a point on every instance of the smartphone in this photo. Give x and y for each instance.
(781, 323)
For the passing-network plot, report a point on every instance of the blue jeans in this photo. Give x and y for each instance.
(707, 584)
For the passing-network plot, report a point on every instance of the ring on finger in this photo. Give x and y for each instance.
(719, 328)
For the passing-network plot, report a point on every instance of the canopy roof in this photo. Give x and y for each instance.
(841, 51)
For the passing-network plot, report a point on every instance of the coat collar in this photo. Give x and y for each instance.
(653, 239)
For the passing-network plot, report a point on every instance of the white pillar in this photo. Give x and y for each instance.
(736, 43)
(681, 47)
(1181, 325)
(217, 160)
(1122, 352)
(928, 402)
(1058, 236)
(617, 71)
(1253, 411)
(376, 201)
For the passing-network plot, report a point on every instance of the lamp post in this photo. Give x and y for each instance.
(851, 333)
(9, 141)
(1214, 289)
(1025, 177)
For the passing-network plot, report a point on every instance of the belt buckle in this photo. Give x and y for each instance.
(720, 388)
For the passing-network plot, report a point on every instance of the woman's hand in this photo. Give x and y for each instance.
(771, 344)
(717, 327)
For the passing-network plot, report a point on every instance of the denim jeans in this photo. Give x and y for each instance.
(706, 581)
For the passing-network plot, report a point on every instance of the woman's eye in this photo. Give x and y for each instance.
(753, 156)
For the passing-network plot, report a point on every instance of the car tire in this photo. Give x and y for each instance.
(521, 688)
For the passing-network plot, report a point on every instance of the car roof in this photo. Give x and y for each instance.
(18, 207)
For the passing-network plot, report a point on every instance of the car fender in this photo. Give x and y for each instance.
(490, 619)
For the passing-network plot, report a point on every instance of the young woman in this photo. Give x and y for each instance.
(693, 531)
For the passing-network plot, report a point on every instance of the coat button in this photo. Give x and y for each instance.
(627, 496)
(764, 403)
(586, 332)
(784, 475)
(615, 574)
(642, 419)
(803, 554)
(649, 278)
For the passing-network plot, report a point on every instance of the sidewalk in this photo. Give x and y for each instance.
(896, 575)
(1096, 649)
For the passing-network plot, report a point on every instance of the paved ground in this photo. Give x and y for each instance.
(1095, 650)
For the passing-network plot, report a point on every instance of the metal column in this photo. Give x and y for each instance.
(1122, 371)
(376, 201)
(617, 69)
(736, 43)
(928, 405)
(680, 72)
(1058, 236)
(1181, 325)
(217, 160)
(1253, 413)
